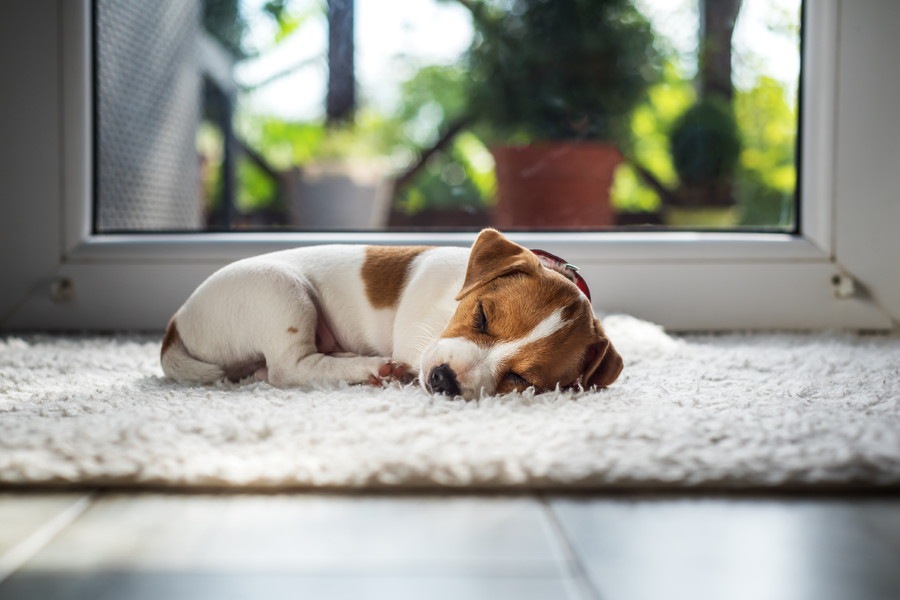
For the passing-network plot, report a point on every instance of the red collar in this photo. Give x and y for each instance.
(569, 270)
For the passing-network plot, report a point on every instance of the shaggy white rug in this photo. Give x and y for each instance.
(730, 412)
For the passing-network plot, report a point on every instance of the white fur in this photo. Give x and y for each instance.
(245, 310)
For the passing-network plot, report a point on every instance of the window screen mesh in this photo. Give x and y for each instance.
(148, 94)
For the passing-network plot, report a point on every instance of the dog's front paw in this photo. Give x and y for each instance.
(392, 371)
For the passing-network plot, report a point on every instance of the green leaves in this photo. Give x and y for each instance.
(568, 69)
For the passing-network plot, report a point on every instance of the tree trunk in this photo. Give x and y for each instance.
(717, 20)
(341, 97)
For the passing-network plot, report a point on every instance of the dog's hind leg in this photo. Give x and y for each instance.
(293, 344)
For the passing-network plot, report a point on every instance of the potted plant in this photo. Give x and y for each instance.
(552, 86)
(705, 145)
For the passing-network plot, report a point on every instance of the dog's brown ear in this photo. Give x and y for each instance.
(602, 364)
(493, 256)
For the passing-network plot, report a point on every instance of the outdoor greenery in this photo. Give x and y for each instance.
(765, 176)
(705, 143)
(570, 70)
(538, 71)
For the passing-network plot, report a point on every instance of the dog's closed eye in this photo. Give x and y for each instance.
(481, 321)
(517, 380)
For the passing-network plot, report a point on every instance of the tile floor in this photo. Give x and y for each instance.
(173, 546)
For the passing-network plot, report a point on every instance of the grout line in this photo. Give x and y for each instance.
(22, 552)
(573, 560)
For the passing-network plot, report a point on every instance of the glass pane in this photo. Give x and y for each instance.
(446, 114)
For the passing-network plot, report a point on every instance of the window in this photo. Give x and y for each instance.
(434, 114)
(838, 269)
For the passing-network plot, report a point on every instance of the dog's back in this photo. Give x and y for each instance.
(370, 301)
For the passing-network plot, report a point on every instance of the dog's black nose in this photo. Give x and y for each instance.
(442, 380)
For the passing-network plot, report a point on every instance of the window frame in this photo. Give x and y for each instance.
(685, 281)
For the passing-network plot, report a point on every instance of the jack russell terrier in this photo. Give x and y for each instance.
(467, 322)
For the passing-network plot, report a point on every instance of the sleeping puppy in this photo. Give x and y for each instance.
(467, 322)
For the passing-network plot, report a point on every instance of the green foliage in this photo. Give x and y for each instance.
(650, 124)
(289, 22)
(209, 148)
(765, 175)
(288, 143)
(462, 177)
(563, 69)
(629, 194)
(767, 178)
(431, 98)
(463, 174)
(705, 143)
(226, 22)
(257, 190)
(762, 205)
(282, 143)
(443, 183)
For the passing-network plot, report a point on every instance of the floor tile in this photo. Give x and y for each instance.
(493, 535)
(28, 522)
(725, 548)
(317, 546)
(142, 585)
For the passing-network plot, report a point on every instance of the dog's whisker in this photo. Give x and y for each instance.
(425, 337)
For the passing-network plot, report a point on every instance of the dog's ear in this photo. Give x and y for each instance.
(493, 256)
(602, 363)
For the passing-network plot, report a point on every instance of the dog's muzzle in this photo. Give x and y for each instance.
(442, 380)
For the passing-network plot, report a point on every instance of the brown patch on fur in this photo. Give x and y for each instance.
(172, 336)
(494, 256)
(602, 364)
(293, 330)
(514, 305)
(385, 270)
(555, 359)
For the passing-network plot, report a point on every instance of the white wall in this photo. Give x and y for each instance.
(30, 167)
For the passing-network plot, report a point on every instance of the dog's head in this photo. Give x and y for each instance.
(518, 324)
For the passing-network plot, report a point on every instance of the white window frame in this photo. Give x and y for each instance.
(842, 271)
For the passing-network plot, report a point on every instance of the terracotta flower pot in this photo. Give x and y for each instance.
(555, 185)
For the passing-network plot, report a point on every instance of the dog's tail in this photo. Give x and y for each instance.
(178, 364)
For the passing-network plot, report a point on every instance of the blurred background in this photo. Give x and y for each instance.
(315, 115)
